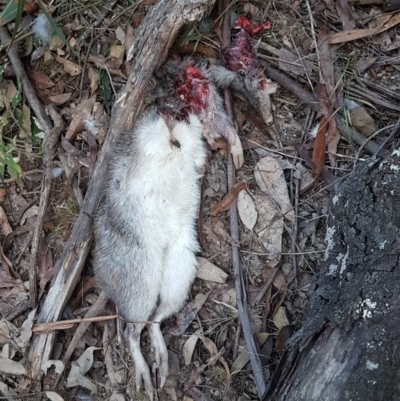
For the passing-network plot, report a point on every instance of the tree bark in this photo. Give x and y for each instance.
(152, 42)
(347, 348)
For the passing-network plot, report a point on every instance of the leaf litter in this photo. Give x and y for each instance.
(209, 345)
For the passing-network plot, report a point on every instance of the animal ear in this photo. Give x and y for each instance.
(221, 76)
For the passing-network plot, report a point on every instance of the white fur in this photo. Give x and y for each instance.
(42, 28)
(146, 236)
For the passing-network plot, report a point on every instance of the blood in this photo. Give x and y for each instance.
(239, 55)
(194, 90)
(244, 23)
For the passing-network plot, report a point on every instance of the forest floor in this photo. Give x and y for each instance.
(345, 55)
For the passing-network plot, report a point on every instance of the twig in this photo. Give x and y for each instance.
(107, 347)
(391, 136)
(84, 65)
(372, 136)
(264, 290)
(241, 297)
(371, 96)
(27, 87)
(295, 228)
(293, 87)
(49, 147)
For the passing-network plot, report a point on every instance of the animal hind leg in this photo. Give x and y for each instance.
(179, 273)
(132, 335)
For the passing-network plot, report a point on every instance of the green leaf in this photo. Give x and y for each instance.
(7, 160)
(9, 13)
(19, 115)
(20, 9)
(2, 68)
(18, 96)
(105, 85)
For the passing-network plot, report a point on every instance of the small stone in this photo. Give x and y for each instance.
(362, 121)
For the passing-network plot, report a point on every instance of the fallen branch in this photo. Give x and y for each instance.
(153, 39)
(241, 296)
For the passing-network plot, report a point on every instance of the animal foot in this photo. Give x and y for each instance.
(161, 356)
(142, 372)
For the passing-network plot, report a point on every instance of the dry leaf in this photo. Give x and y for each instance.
(79, 368)
(269, 228)
(51, 395)
(117, 397)
(69, 67)
(229, 199)
(7, 89)
(60, 99)
(83, 112)
(243, 357)
(327, 66)
(58, 365)
(271, 180)
(280, 319)
(247, 210)
(40, 80)
(188, 313)
(348, 36)
(118, 52)
(318, 156)
(31, 212)
(332, 141)
(26, 329)
(120, 34)
(5, 225)
(344, 11)
(99, 60)
(25, 131)
(129, 37)
(189, 347)
(9, 367)
(207, 271)
(94, 80)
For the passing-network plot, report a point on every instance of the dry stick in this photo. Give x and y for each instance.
(155, 36)
(241, 296)
(107, 347)
(295, 228)
(293, 87)
(50, 140)
(373, 97)
(49, 149)
(27, 87)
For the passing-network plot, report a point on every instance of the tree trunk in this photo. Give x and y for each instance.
(347, 348)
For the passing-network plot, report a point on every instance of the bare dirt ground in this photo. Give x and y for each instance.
(341, 59)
